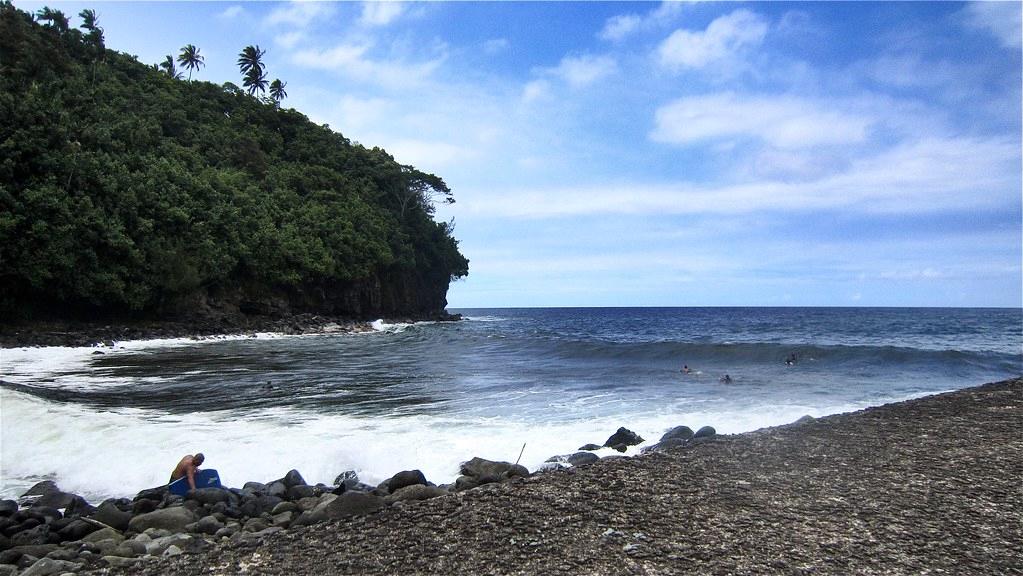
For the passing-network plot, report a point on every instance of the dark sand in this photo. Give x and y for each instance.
(930, 486)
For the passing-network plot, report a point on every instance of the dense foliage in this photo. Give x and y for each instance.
(125, 190)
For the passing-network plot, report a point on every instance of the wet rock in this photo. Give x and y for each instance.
(155, 494)
(120, 562)
(625, 437)
(582, 458)
(34, 537)
(37, 491)
(144, 506)
(173, 519)
(405, 478)
(302, 491)
(590, 447)
(293, 478)
(683, 433)
(348, 479)
(207, 525)
(479, 471)
(8, 507)
(705, 432)
(255, 525)
(159, 545)
(108, 513)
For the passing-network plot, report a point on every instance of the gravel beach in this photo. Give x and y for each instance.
(928, 486)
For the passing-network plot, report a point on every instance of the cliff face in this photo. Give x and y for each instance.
(395, 294)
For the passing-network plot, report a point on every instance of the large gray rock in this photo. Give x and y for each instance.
(8, 507)
(103, 534)
(209, 496)
(353, 504)
(173, 519)
(13, 555)
(78, 529)
(705, 432)
(683, 433)
(108, 513)
(40, 489)
(405, 478)
(487, 471)
(157, 546)
(48, 567)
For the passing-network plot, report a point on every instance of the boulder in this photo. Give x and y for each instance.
(625, 437)
(108, 513)
(683, 433)
(173, 519)
(144, 506)
(103, 534)
(40, 489)
(353, 504)
(293, 478)
(119, 562)
(208, 525)
(13, 555)
(34, 536)
(302, 491)
(255, 525)
(406, 478)
(159, 545)
(78, 507)
(209, 496)
(78, 529)
(414, 492)
(486, 471)
(590, 447)
(582, 458)
(155, 494)
(48, 567)
(705, 432)
(349, 479)
(8, 507)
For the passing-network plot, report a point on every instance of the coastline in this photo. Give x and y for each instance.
(923, 485)
(86, 334)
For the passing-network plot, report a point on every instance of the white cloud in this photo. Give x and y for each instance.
(918, 177)
(429, 155)
(352, 60)
(618, 27)
(581, 71)
(1002, 19)
(232, 12)
(784, 122)
(380, 13)
(724, 37)
(299, 13)
(495, 45)
(290, 39)
(535, 90)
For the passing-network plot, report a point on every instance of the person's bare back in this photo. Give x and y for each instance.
(187, 468)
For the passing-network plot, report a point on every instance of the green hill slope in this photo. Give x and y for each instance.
(125, 192)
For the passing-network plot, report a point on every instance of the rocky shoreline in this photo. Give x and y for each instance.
(78, 334)
(929, 485)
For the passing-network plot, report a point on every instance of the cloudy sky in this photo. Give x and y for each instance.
(666, 154)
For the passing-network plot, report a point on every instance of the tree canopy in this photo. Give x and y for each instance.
(126, 191)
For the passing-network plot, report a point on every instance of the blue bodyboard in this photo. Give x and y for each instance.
(207, 478)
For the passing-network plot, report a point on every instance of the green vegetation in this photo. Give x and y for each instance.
(126, 191)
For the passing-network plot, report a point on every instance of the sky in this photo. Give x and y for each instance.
(665, 154)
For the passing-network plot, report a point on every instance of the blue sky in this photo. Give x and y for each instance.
(666, 154)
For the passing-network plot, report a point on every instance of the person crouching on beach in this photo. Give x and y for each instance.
(187, 467)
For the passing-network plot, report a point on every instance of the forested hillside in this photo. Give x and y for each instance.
(126, 192)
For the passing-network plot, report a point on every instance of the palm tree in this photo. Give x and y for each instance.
(255, 80)
(251, 58)
(90, 23)
(169, 68)
(57, 20)
(277, 91)
(191, 59)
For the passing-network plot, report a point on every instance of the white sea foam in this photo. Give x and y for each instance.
(113, 453)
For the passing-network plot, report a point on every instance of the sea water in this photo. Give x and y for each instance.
(515, 384)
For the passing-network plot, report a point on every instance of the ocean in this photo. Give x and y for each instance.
(503, 384)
